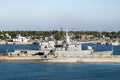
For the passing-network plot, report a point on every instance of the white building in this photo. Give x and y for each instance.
(20, 39)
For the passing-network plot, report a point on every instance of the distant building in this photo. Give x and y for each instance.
(20, 39)
(86, 37)
(8, 36)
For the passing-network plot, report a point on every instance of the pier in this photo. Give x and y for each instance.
(38, 59)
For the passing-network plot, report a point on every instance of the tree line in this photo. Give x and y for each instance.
(57, 34)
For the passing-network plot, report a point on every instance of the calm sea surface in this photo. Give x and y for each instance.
(59, 71)
(12, 47)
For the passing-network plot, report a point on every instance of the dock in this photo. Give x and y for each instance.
(38, 59)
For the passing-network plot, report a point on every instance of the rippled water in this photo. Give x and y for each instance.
(12, 47)
(59, 71)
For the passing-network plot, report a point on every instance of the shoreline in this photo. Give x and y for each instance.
(16, 43)
(38, 59)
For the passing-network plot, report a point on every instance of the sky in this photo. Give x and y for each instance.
(80, 15)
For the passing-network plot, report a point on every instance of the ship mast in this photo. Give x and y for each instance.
(67, 37)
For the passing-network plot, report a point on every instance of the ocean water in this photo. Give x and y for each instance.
(59, 71)
(103, 47)
(11, 47)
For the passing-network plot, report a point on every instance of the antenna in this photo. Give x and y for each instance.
(112, 50)
(67, 36)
